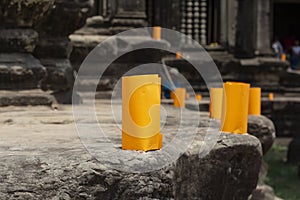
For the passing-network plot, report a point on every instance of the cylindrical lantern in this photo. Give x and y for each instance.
(178, 55)
(234, 118)
(215, 106)
(141, 112)
(187, 96)
(255, 101)
(156, 32)
(198, 97)
(271, 96)
(283, 57)
(179, 97)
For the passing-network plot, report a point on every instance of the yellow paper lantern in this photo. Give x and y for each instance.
(255, 101)
(215, 106)
(178, 55)
(198, 97)
(179, 97)
(141, 112)
(156, 33)
(234, 118)
(271, 96)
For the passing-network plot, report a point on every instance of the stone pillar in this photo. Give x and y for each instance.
(263, 30)
(228, 23)
(245, 33)
(18, 68)
(54, 45)
(253, 28)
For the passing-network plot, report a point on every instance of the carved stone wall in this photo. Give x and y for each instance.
(18, 68)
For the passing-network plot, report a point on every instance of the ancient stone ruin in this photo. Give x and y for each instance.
(42, 46)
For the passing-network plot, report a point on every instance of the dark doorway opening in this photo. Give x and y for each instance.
(286, 20)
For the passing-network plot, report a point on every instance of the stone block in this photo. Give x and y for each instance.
(55, 165)
(25, 13)
(18, 40)
(20, 71)
(262, 128)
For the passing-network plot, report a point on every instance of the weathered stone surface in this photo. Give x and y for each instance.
(218, 176)
(48, 161)
(26, 13)
(65, 17)
(53, 47)
(18, 40)
(60, 74)
(67, 97)
(258, 125)
(294, 151)
(20, 71)
(25, 98)
(82, 45)
(261, 72)
(284, 112)
(263, 192)
(262, 128)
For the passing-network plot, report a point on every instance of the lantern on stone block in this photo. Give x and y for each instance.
(234, 117)
(141, 112)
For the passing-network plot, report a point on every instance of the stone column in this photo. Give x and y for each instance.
(54, 45)
(245, 33)
(263, 30)
(18, 68)
(253, 28)
(228, 23)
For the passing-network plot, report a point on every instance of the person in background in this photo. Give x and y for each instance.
(295, 57)
(277, 47)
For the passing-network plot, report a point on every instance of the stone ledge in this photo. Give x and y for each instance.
(25, 98)
(18, 40)
(20, 71)
(48, 161)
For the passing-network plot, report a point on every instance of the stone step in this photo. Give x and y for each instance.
(20, 71)
(269, 73)
(25, 98)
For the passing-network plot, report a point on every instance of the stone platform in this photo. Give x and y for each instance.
(43, 158)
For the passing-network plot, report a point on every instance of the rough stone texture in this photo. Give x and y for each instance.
(263, 192)
(284, 112)
(120, 44)
(258, 125)
(26, 13)
(20, 71)
(262, 128)
(54, 46)
(25, 98)
(18, 40)
(211, 178)
(65, 17)
(290, 80)
(261, 71)
(48, 161)
(60, 74)
(294, 151)
(18, 68)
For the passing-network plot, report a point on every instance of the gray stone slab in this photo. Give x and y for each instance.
(43, 158)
